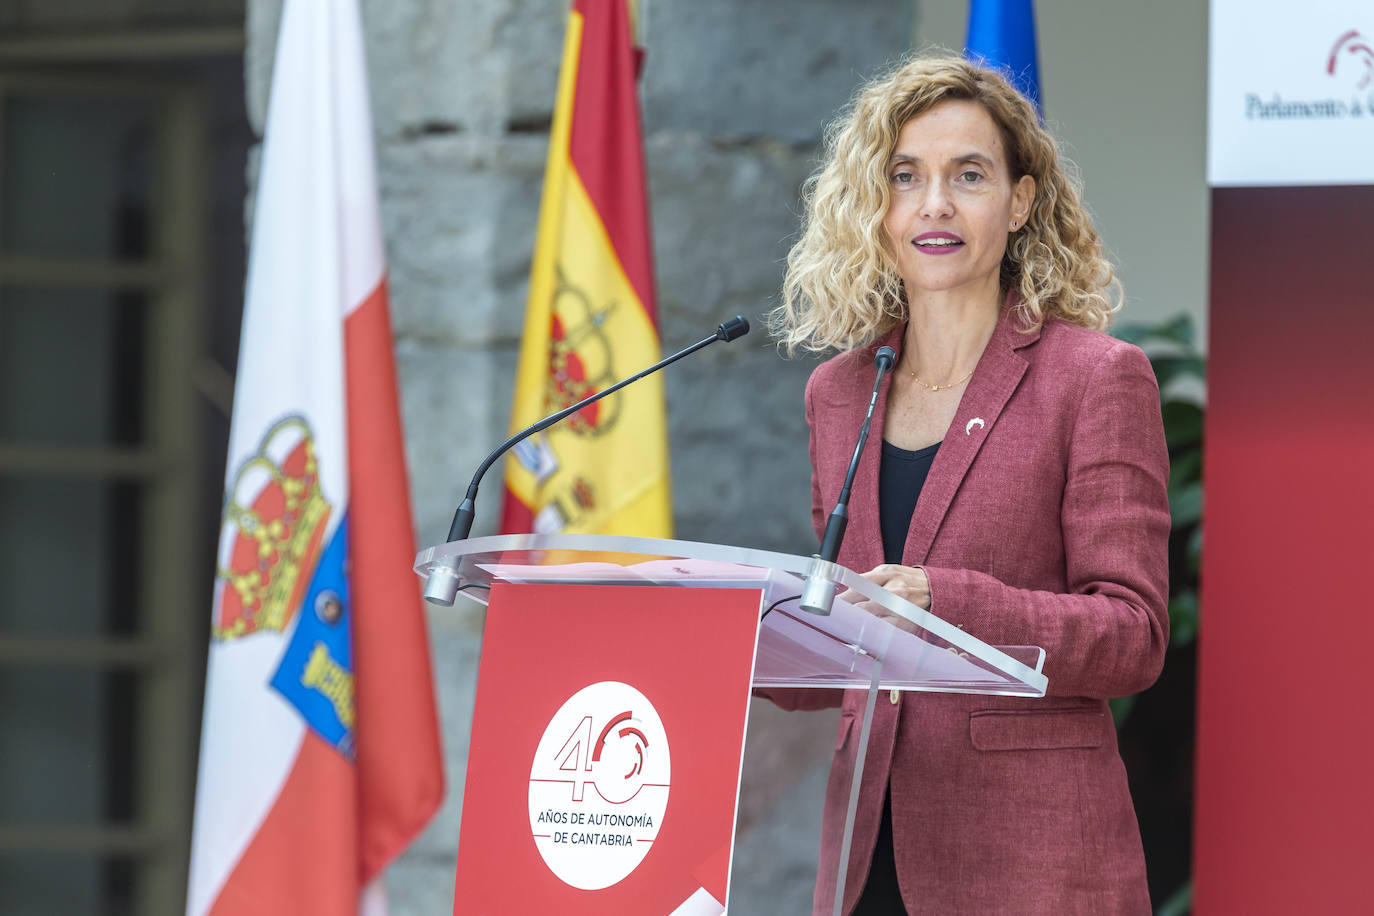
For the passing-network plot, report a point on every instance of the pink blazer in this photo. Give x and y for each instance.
(1047, 524)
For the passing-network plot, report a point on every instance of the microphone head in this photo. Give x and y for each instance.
(733, 328)
(885, 358)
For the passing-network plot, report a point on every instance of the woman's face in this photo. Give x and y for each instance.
(953, 201)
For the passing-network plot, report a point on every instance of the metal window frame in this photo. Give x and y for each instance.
(166, 464)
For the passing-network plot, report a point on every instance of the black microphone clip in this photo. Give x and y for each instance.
(884, 360)
(734, 328)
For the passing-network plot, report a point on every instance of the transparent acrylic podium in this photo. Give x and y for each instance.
(872, 640)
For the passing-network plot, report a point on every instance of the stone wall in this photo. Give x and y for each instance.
(734, 99)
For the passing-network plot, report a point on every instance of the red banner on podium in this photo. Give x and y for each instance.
(603, 771)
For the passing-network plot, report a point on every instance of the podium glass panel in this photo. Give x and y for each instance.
(917, 649)
(871, 640)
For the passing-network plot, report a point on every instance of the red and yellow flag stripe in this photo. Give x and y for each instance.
(591, 319)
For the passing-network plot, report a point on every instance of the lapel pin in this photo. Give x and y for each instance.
(976, 421)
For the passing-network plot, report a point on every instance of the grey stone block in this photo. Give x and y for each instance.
(738, 437)
(782, 792)
(419, 885)
(455, 403)
(463, 66)
(775, 861)
(723, 219)
(439, 67)
(459, 214)
(455, 640)
(772, 69)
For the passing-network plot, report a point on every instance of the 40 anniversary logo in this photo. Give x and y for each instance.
(599, 785)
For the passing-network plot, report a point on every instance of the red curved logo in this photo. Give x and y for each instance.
(637, 741)
(1353, 44)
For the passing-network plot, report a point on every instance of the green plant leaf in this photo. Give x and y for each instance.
(1133, 332)
(1185, 503)
(1177, 330)
(1195, 551)
(1186, 468)
(1121, 708)
(1180, 902)
(1169, 367)
(1182, 424)
(1183, 619)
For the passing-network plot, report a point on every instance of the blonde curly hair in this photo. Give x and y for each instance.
(842, 288)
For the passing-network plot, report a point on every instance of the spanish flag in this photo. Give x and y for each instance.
(590, 319)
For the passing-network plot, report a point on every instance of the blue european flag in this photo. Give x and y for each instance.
(1001, 35)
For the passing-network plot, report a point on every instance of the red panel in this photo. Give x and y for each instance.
(690, 652)
(1285, 768)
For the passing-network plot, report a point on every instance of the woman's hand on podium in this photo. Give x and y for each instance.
(907, 582)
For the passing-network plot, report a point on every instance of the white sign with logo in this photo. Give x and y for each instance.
(599, 785)
(1291, 93)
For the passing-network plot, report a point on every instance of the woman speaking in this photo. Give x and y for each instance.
(1020, 493)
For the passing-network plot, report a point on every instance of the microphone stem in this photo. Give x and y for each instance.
(839, 518)
(462, 519)
(859, 446)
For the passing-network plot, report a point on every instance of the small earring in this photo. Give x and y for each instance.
(1013, 224)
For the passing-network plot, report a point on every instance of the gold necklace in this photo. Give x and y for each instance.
(961, 381)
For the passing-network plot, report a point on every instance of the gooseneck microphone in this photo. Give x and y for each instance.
(442, 584)
(819, 592)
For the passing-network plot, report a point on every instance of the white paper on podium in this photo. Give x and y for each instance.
(700, 904)
(678, 571)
